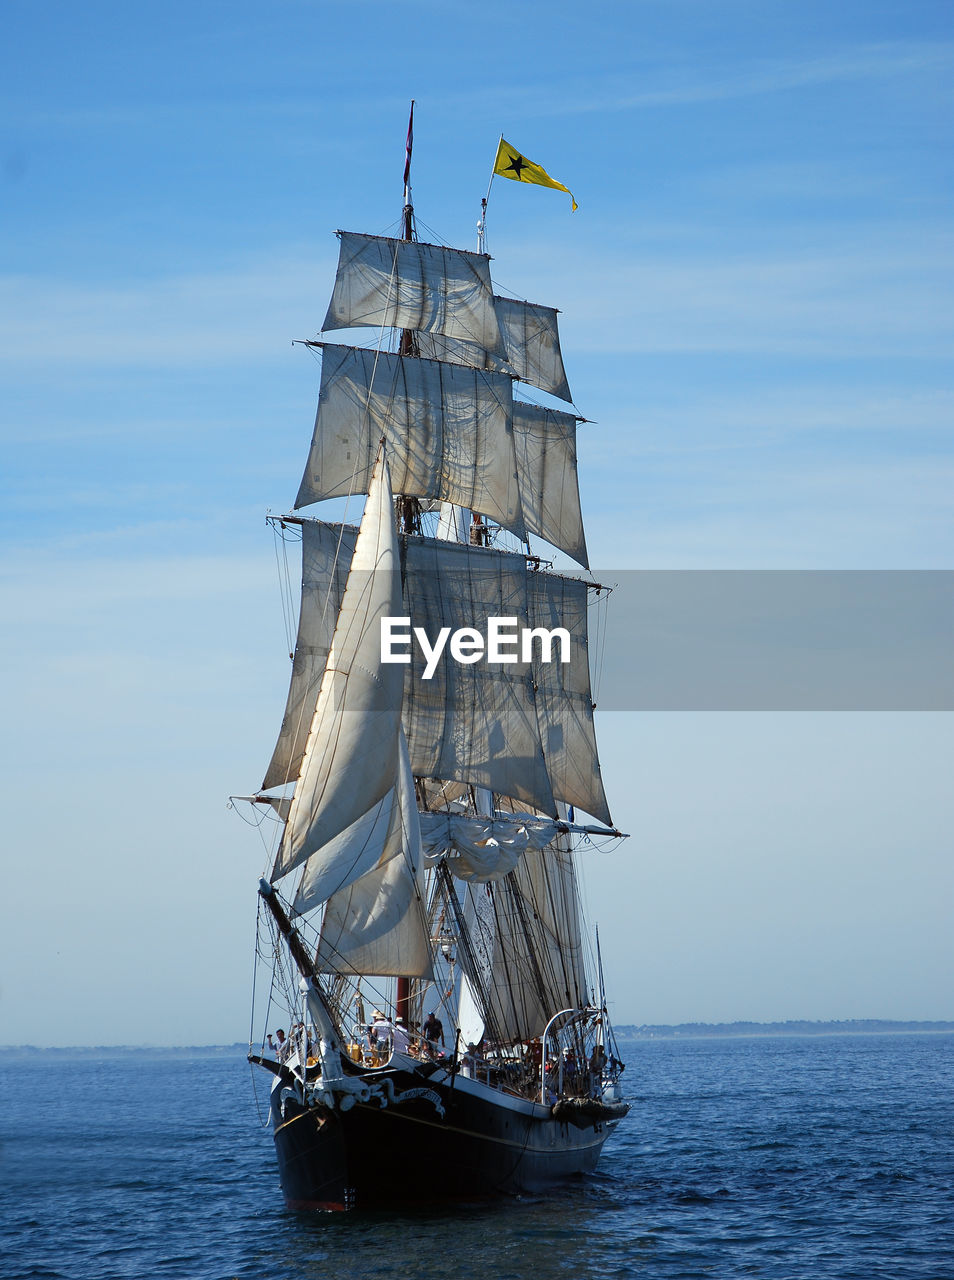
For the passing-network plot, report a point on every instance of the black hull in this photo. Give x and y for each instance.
(427, 1138)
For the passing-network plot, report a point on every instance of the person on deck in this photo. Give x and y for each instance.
(470, 1061)
(597, 1067)
(399, 1036)
(432, 1032)
(381, 1035)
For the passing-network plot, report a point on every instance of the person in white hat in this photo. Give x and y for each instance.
(380, 1035)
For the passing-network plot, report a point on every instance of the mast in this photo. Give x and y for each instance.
(408, 508)
(406, 347)
(482, 220)
(297, 948)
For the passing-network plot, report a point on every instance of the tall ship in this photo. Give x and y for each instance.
(432, 1013)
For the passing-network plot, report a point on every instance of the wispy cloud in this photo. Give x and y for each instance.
(707, 419)
(865, 292)
(867, 296)
(654, 80)
(663, 83)
(763, 76)
(226, 316)
(772, 510)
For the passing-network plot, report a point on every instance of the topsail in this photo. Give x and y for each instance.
(454, 434)
(447, 428)
(403, 284)
(531, 346)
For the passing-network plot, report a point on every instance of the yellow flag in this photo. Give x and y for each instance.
(511, 164)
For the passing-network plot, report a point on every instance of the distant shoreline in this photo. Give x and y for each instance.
(724, 1030)
(625, 1033)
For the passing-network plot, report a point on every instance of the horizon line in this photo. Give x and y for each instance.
(946, 1024)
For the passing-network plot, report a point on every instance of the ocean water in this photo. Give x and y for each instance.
(803, 1158)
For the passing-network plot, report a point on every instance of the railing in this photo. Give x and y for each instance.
(579, 1013)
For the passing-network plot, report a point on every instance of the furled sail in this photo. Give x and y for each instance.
(378, 924)
(520, 729)
(403, 284)
(448, 432)
(530, 340)
(483, 848)
(349, 757)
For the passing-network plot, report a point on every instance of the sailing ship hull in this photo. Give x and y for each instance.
(435, 1139)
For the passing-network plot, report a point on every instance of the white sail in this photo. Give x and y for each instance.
(545, 447)
(347, 857)
(323, 578)
(453, 524)
(564, 699)
(453, 435)
(530, 340)
(538, 916)
(447, 429)
(348, 762)
(403, 284)
(522, 729)
(533, 345)
(476, 978)
(378, 923)
(476, 723)
(481, 849)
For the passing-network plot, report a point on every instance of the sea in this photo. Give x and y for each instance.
(784, 1158)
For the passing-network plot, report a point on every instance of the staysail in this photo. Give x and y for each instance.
(378, 922)
(348, 761)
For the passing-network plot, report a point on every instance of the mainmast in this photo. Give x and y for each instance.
(408, 509)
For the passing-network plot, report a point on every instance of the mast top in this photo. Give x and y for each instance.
(408, 203)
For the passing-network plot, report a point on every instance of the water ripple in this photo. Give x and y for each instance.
(771, 1159)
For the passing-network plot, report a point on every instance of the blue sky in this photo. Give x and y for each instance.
(756, 314)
